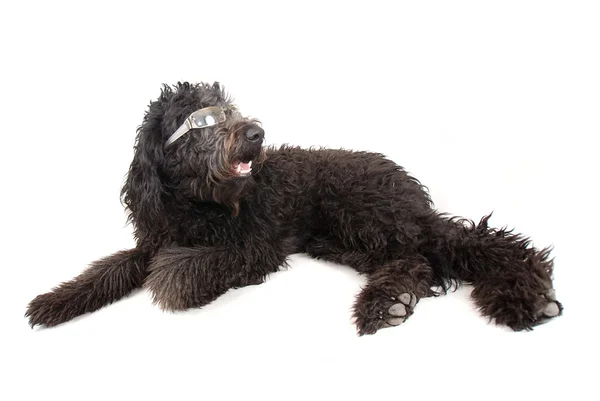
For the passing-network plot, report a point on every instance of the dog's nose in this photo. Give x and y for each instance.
(255, 134)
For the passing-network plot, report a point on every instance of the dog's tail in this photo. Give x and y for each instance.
(105, 281)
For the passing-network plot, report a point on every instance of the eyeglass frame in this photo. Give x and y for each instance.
(191, 122)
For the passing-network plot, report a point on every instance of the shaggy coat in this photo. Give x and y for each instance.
(202, 228)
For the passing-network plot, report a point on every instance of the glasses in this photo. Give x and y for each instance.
(206, 117)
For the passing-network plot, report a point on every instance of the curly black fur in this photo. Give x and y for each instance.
(202, 229)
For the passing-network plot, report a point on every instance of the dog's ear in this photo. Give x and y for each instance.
(144, 190)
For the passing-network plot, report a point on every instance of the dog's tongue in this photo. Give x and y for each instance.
(243, 168)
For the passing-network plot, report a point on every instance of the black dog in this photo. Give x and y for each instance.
(214, 210)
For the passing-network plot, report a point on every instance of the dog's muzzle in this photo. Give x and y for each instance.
(249, 139)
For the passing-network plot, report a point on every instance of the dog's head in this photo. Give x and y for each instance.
(193, 145)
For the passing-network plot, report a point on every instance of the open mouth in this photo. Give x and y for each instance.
(242, 168)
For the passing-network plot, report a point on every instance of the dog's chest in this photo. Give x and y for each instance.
(210, 227)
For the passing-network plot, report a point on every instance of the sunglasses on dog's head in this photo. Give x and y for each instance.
(206, 117)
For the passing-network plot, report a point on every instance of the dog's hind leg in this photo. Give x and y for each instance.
(391, 294)
(512, 280)
(393, 286)
(519, 295)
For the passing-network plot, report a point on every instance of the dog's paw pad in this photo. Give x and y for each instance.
(384, 311)
(404, 308)
(551, 310)
(552, 307)
(397, 310)
(405, 298)
(394, 321)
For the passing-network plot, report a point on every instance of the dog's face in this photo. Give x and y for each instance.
(227, 151)
(214, 163)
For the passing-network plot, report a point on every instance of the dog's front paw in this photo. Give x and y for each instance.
(165, 292)
(379, 311)
(46, 310)
(176, 283)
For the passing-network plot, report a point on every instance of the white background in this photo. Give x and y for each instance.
(492, 106)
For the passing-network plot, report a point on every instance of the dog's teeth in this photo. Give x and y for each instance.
(250, 165)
